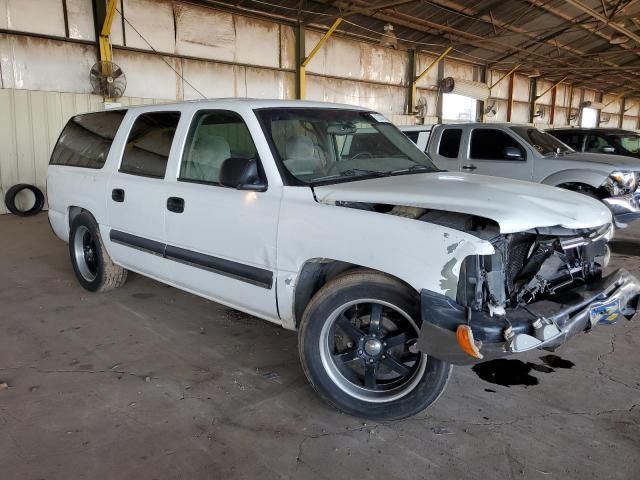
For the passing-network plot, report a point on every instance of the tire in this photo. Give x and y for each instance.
(10, 200)
(340, 361)
(92, 264)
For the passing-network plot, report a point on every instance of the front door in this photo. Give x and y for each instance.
(222, 240)
(496, 153)
(136, 196)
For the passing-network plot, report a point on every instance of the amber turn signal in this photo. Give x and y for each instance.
(464, 334)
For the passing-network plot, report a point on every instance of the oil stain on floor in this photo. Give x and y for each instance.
(508, 372)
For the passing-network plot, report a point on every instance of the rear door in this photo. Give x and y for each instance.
(136, 197)
(222, 241)
(487, 155)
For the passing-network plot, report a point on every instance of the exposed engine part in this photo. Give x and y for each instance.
(527, 268)
(407, 212)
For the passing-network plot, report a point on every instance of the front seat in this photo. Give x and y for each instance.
(300, 155)
(206, 158)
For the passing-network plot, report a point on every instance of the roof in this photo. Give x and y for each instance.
(600, 130)
(562, 39)
(252, 103)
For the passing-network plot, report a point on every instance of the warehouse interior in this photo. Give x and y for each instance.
(152, 382)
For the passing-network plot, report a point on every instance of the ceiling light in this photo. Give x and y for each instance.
(388, 38)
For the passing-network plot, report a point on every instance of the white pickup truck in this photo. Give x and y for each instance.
(390, 270)
(525, 153)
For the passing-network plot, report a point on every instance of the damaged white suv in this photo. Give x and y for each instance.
(390, 269)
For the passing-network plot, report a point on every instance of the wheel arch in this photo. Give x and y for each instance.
(589, 178)
(317, 272)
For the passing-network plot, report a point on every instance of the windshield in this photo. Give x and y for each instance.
(630, 143)
(543, 142)
(322, 145)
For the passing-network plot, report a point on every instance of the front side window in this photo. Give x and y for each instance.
(543, 142)
(627, 144)
(86, 139)
(322, 145)
(214, 137)
(489, 144)
(598, 144)
(450, 142)
(147, 150)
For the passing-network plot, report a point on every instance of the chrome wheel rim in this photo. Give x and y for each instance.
(85, 253)
(367, 348)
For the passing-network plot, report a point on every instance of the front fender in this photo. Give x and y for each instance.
(593, 178)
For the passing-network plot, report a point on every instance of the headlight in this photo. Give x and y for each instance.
(620, 183)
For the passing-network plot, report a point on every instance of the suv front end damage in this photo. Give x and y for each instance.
(538, 289)
(622, 196)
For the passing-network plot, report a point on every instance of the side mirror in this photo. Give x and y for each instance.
(608, 149)
(241, 174)
(512, 153)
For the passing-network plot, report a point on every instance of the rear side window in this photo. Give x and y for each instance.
(86, 139)
(149, 143)
(450, 143)
(488, 144)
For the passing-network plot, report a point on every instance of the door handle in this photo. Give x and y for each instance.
(117, 195)
(175, 204)
(470, 167)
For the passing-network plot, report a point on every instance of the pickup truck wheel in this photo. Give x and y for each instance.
(357, 346)
(93, 267)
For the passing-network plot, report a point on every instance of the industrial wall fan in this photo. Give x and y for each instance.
(490, 110)
(421, 108)
(108, 80)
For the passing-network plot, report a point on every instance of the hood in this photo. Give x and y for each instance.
(515, 205)
(620, 161)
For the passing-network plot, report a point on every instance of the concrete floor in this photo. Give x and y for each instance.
(148, 382)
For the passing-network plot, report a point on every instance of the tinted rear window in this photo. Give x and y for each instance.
(86, 139)
(450, 143)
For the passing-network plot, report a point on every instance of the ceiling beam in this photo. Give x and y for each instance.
(605, 20)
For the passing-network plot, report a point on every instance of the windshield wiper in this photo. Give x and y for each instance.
(412, 168)
(353, 172)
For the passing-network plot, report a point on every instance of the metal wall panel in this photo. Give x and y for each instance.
(39, 64)
(501, 90)
(154, 20)
(80, 19)
(630, 123)
(520, 88)
(38, 16)
(30, 124)
(431, 78)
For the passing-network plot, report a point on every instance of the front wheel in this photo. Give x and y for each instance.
(357, 345)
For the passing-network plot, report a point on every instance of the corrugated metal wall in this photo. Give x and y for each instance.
(30, 124)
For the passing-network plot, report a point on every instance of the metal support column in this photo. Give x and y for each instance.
(302, 68)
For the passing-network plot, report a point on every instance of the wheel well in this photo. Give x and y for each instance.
(318, 272)
(74, 212)
(583, 188)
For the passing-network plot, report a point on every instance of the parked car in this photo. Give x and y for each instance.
(390, 269)
(523, 152)
(614, 141)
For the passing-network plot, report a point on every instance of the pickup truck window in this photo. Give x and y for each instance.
(543, 142)
(325, 145)
(413, 135)
(450, 142)
(214, 136)
(86, 139)
(490, 144)
(573, 139)
(147, 150)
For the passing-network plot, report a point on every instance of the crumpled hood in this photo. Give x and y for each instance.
(515, 205)
(620, 161)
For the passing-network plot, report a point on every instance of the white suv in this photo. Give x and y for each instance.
(390, 269)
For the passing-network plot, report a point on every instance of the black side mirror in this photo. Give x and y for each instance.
(512, 153)
(241, 174)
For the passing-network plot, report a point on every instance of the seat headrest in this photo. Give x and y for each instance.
(299, 146)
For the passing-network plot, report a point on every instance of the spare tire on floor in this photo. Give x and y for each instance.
(10, 200)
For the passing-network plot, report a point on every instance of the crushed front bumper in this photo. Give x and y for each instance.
(568, 313)
(625, 208)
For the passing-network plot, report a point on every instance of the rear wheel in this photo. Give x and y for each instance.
(92, 264)
(358, 348)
